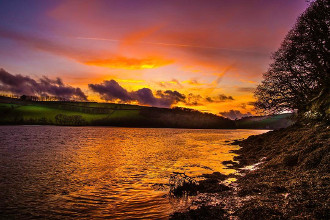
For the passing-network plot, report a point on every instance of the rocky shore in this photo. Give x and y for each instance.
(282, 174)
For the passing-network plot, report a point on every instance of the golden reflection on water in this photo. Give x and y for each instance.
(111, 172)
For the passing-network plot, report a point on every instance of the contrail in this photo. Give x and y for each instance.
(168, 44)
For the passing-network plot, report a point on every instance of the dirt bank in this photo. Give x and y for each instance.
(291, 180)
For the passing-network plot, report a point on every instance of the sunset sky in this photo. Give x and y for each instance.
(205, 54)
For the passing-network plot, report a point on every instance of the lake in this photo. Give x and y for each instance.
(54, 172)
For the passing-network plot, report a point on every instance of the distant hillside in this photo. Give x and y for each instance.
(271, 122)
(16, 111)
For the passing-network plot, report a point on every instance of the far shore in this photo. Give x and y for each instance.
(109, 126)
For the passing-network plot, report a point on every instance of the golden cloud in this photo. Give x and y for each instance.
(129, 63)
(193, 82)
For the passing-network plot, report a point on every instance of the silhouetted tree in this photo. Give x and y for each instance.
(300, 69)
(23, 97)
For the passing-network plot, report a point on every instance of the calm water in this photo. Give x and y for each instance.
(96, 172)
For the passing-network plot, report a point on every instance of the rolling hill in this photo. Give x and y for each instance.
(15, 111)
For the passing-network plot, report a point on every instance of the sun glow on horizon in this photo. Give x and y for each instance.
(159, 51)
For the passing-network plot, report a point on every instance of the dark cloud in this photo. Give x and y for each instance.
(244, 105)
(24, 85)
(112, 91)
(209, 99)
(196, 100)
(146, 97)
(174, 95)
(193, 100)
(235, 114)
(223, 97)
(163, 99)
(219, 98)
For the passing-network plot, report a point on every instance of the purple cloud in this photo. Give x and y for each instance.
(111, 91)
(24, 85)
(219, 98)
(235, 114)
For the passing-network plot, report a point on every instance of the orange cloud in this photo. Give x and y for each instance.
(137, 36)
(248, 81)
(130, 81)
(129, 63)
(193, 82)
(170, 84)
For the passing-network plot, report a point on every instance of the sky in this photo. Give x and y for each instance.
(206, 55)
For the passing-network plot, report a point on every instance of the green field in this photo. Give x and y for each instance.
(265, 122)
(34, 112)
(16, 111)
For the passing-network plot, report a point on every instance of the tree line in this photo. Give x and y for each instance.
(299, 75)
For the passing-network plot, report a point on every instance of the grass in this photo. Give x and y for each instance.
(15, 111)
(36, 112)
(272, 122)
(107, 105)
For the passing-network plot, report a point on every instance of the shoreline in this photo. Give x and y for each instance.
(110, 126)
(291, 180)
